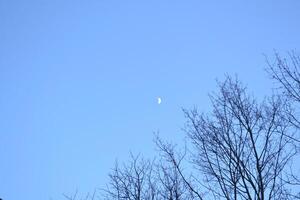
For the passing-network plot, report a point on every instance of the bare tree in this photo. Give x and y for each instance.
(240, 150)
(174, 160)
(145, 180)
(286, 73)
(133, 181)
(242, 147)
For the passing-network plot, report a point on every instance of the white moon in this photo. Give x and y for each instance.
(158, 100)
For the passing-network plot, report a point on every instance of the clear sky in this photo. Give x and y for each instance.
(79, 79)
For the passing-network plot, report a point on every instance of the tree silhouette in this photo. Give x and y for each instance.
(242, 149)
(286, 73)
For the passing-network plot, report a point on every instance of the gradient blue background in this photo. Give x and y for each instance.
(79, 79)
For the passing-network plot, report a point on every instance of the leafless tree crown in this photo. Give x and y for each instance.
(241, 150)
(242, 147)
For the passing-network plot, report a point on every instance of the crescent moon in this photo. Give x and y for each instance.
(159, 100)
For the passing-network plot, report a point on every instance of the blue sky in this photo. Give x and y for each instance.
(79, 79)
